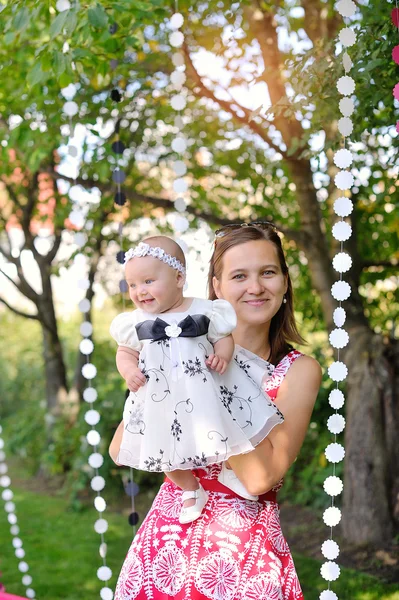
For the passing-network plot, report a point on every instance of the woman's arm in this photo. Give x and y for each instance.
(263, 468)
(116, 443)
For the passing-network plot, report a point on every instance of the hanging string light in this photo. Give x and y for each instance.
(78, 218)
(341, 291)
(10, 509)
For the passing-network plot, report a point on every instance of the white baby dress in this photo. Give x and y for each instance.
(186, 415)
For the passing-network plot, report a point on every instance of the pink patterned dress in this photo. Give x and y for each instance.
(234, 551)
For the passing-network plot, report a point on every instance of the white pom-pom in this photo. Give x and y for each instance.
(84, 305)
(343, 158)
(328, 595)
(345, 126)
(86, 329)
(346, 8)
(339, 316)
(176, 39)
(347, 37)
(12, 519)
(341, 290)
(346, 106)
(335, 453)
(178, 102)
(178, 59)
(179, 168)
(100, 504)
(9, 507)
(103, 550)
(336, 424)
(97, 483)
(7, 495)
(104, 573)
(92, 417)
(330, 549)
(180, 204)
(20, 553)
(101, 526)
(336, 399)
(86, 347)
(342, 231)
(180, 185)
(339, 338)
(90, 395)
(330, 571)
(342, 262)
(178, 78)
(30, 593)
(333, 485)
(179, 144)
(343, 206)
(62, 5)
(347, 62)
(338, 371)
(106, 593)
(23, 567)
(346, 85)
(93, 437)
(89, 371)
(70, 108)
(344, 180)
(176, 21)
(27, 580)
(96, 460)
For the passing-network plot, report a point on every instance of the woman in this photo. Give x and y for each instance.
(236, 550)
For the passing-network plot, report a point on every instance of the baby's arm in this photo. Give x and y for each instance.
(223, 354)
(127, 364)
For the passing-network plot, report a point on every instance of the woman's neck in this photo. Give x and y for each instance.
(254, 338)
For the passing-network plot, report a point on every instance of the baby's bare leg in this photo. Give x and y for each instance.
(186, 481)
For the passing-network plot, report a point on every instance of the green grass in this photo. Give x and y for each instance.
(62, 551)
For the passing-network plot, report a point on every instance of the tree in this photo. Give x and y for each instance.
(248, 164)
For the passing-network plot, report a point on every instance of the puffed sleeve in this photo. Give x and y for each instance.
(223, 320)
(123, 330)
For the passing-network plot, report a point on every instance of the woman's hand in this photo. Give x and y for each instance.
(217, 363)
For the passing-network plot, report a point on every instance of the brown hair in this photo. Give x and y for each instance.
(283, 327)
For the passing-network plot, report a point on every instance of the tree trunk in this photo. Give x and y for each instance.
(370, 498)
(55, 372)
(55, 369)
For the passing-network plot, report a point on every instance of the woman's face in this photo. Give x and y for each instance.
(252, 281)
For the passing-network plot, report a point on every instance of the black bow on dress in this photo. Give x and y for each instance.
(191, 326)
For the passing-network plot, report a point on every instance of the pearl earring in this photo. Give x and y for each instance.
(285, 300)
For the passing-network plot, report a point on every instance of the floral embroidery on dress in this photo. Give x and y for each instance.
(234, 551)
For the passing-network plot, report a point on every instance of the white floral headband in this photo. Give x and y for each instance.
(144, 249)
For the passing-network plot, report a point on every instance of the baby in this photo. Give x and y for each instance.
(190, 404)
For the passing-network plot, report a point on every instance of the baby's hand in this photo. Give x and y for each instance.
(217, 363)
(135, 379)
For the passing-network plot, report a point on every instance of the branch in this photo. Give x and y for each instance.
(205, 92)
(19, 312)
(293, 234)
(51, 254)
(15, 283)
(385, 264)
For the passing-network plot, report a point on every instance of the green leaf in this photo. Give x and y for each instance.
(71, 21)
(21, 19)
(58, 24)
(98, 18)
(59, 62)
(35, 75)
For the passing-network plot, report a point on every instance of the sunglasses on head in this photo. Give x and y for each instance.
(234, 226)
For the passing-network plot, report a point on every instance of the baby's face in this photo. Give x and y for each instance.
(153, 286)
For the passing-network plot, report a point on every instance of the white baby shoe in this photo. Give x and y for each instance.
(229, 479)
(191, 513)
